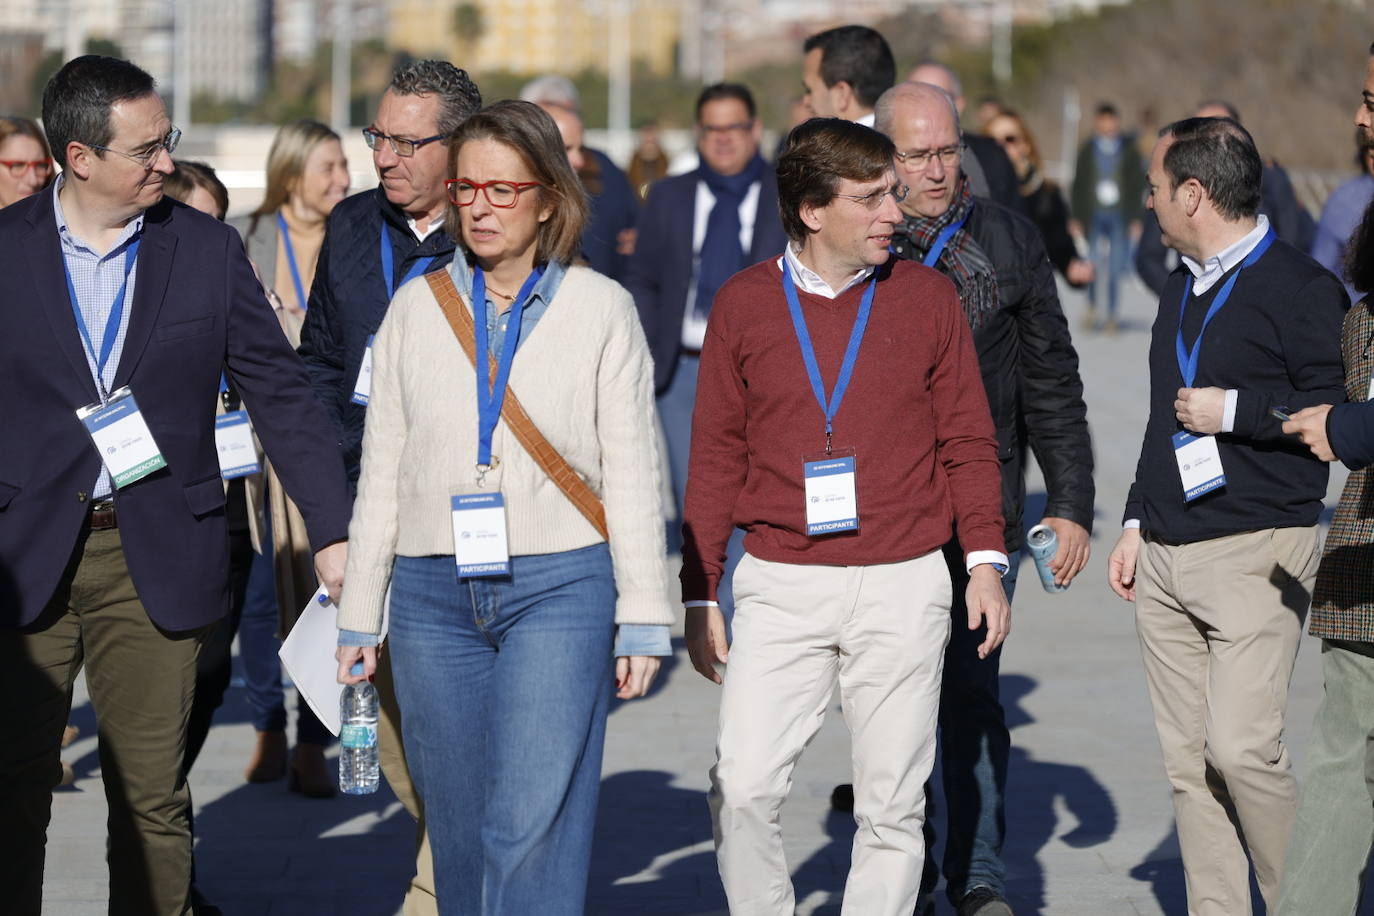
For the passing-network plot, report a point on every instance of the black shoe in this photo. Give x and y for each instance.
(842, 799)
(925, 905)
(202, 907)
(983, 901)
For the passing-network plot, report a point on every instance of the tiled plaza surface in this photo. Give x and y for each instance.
(1090, 830)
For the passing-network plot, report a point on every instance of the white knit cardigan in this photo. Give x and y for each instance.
(584, 376)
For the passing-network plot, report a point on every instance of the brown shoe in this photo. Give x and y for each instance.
(269, 758)
(309, 772)
(70, 734)
(68, 774)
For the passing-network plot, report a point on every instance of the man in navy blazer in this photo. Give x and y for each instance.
(107, 284)
(696, 231)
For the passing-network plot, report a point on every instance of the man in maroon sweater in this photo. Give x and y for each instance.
(841, 421)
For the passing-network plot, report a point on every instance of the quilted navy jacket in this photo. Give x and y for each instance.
(348, 301)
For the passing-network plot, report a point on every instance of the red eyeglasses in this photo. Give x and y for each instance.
(499, 193)
(17, 167)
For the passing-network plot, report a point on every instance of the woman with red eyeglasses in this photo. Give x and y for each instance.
(25, 163)
(515, 611)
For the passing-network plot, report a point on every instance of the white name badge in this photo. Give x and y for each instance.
(1199, 464)
(122, 438)
(479, 535)
(234, 439)
(362, 390)
(1108, 194)
(831, 502)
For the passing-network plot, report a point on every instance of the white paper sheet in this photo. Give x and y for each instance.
(308, 656)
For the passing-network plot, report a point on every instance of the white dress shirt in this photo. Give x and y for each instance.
(808, 281)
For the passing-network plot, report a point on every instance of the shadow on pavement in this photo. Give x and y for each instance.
(1033, 789)
(263, 850)
(1162, 869)
(653, 851)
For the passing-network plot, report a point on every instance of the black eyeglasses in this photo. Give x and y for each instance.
(399, 145)
(875, 200)
(919, 160)
(147, 157)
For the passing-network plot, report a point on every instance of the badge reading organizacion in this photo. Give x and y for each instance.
(122, 438)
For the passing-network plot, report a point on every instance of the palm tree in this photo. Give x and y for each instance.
(469, 25)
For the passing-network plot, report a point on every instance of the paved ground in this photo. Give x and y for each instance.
(1090, 830)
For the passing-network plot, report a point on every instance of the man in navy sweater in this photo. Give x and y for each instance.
(1219, 549)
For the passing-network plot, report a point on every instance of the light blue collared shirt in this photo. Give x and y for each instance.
(96, 279)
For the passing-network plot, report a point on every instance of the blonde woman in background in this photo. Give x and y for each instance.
(307, 175)
(1044, 200)
(25, 161)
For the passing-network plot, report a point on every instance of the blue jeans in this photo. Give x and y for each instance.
(675, 406)
(504, 685)
(1109, 226)
(974, 747)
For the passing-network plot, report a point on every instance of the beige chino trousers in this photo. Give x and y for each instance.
(1219, 623)
(879, 632)
(420, 899)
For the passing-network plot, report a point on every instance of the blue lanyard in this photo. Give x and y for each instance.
(107, 341)
(491, 394)
(223, 383)
(942, 240)
(851, 353)
(291, 261)
(1187, 359)
(389, 265)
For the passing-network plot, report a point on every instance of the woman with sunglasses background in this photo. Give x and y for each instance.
(1044, 200)
(25, 162)
(504, 682)
(307, 175)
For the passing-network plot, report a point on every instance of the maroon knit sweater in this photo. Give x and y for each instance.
(915, 415)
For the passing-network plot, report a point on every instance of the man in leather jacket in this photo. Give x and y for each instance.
(997, 261)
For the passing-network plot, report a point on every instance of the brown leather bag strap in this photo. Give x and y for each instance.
(519, 422)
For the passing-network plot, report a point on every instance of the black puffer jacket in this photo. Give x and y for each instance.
(348, 301)
(1030, 371)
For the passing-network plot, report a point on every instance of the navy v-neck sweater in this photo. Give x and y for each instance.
(1277, 340)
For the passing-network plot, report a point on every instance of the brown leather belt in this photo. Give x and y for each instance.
(103, 516)
(688, 351)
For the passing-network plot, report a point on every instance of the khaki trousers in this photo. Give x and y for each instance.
(1219, 624)
(880, 633)
(420, 899)
(141, 681)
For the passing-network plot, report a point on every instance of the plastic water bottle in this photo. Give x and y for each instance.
(1043, 544)
(358, 770)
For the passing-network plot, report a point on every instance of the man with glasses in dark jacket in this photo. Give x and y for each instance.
(1030, 370)
(373, 243)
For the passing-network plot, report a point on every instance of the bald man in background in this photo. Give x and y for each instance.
(990, 173)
